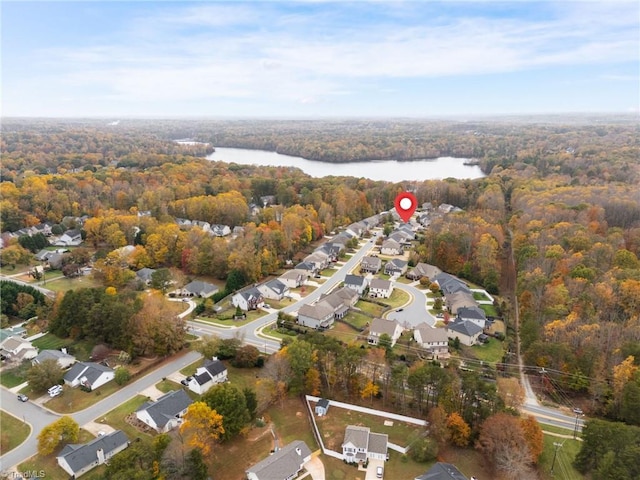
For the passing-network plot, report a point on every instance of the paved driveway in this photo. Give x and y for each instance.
(371, 468)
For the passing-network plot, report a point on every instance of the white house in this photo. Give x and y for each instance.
(89, 374)
(144, 275)
(17, 349)
(316, 316)
(356, 282)
(434, 340)
(322, 407)
(423, 270)
(467, 332)
(220, 230)
(165, 413)
(248, 299)
(380, 288)
(474, 314)
(273, 289)
(391, 247)
(211, 373)
(78, 459)
(380, 326)
(69, 238)
(360, 444)
(62, 358)
(370, 264)
(318, 258)
(293, 278)
(284, 464)
(395, 267)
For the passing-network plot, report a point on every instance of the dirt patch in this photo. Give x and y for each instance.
(132, 420)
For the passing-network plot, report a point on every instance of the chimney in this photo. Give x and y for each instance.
(63, 350)
(100, 454)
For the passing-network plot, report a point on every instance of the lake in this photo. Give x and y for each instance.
(387, 170)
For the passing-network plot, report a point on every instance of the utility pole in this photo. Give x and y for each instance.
(555, 454)
(578, 413)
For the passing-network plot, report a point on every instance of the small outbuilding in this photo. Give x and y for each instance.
(322, 407)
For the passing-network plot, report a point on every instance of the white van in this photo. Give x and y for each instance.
(55, 391)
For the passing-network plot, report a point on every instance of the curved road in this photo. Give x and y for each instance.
(415, 312)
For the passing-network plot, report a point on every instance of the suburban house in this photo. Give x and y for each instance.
(319, 259)
(380, 326)
(283, 464)
(474, 314)
(198, 288)
(395, 267)
(88, 374)
(17, 349)
(434, 340)
(461, 299)
(77, 460)
(332, 250)
(356, 282)
(322, 407)
(380, 288)
(211, 373)
(220, 230)
(423, 270)
(467, 332)
(356, 229)
(450, 284)
(62, 358)
(69, 238)
(309, 267)
(318, 316)
(273, 289)
(14, 331)
(370, 265)
(442, 471)
(360, 443)
(248, 299)
(391, 247)
(144, 275)
(293, 278)
(165, 413)
(341, 300)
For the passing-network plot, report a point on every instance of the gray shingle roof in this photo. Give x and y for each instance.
(378, 443)
(86, 369)
(382, 325)
(471, 312)
(79, 456)
(198, 287)
(277, 286)
(214, 367)
(358, 436)
(167, 406)
(283, 463)
(354, 280)
(51, 355)
(465, 327)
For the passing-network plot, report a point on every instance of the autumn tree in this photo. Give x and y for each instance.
(64, 430)
(510, 391)
(312, 381)
(154, 329)
(459, 430)
(370, 390)
(503, 443)
(203, 425)
(534, 436)
(44, 374)
(229, 402)
(437, 420)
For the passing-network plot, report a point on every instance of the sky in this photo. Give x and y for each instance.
(318, 58)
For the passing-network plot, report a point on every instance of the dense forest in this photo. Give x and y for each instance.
(561, 198)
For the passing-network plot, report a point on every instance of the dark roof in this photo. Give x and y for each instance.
(214, 367)
(167, 406)
(442, 471)
(145, 273)
(465, 327)
(202, 378)
(86, 369)
(82, 455)
(199, 287)
(323, 402)
(305, 266)
(277, 286)
(471, 312)
(283, 463)
(354, 280)
(51, 355)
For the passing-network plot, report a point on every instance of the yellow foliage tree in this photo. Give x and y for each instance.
(64, 430)
(204, 426)
(458, 429)
(369, 390)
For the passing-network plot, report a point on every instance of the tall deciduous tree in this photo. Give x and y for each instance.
(44, 374)
(203, 425)
(459, 431)
(229, 401)
(65, 430)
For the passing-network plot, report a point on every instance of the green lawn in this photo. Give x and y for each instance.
(480, 296)
(228, 321)
(327, 272)
(166, 386)
(489, 310)
(563, 467)
(116, 417)
(14, 432)
(13, 378)
(240, 377)
(304, 290)
(343, 332)
(398, 298)
(291, 422)
(80, 349)
(491, 352)
(272, 332)
(357, 320)
(370, 308)
(63, 284)
(75, 399)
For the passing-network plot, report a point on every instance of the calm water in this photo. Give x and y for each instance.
(389, 170)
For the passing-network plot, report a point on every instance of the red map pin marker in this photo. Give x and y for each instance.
(406, 203)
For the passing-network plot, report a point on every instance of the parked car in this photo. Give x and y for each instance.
(22, 397)
(379, 471)
(400, 309)
(184, 382)
(55, 391)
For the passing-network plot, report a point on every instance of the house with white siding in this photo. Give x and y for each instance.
(434, 340)
(380, 326)
(78, 459)
(380, 288)
(166, 412)
(361, 444)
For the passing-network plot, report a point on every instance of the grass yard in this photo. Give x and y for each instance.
(342, 332)
(80, 349)
(228, 320)
(491, 352)
(240, 377)
(480, 296)
(272, 332)
(558, 430)
(357, 320)
(278, 304)
(405, 280)
(370, 308)
(327, 272)
(304, 290)
(63, 284)
(468, 461)
(116, 417)
(489, 310)
(563, 467)
(166, 386)
(75, 399)
(332, 427)
(13, 378)
(14, 432)
(397, 299)
(52, 471)
(291, 422)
